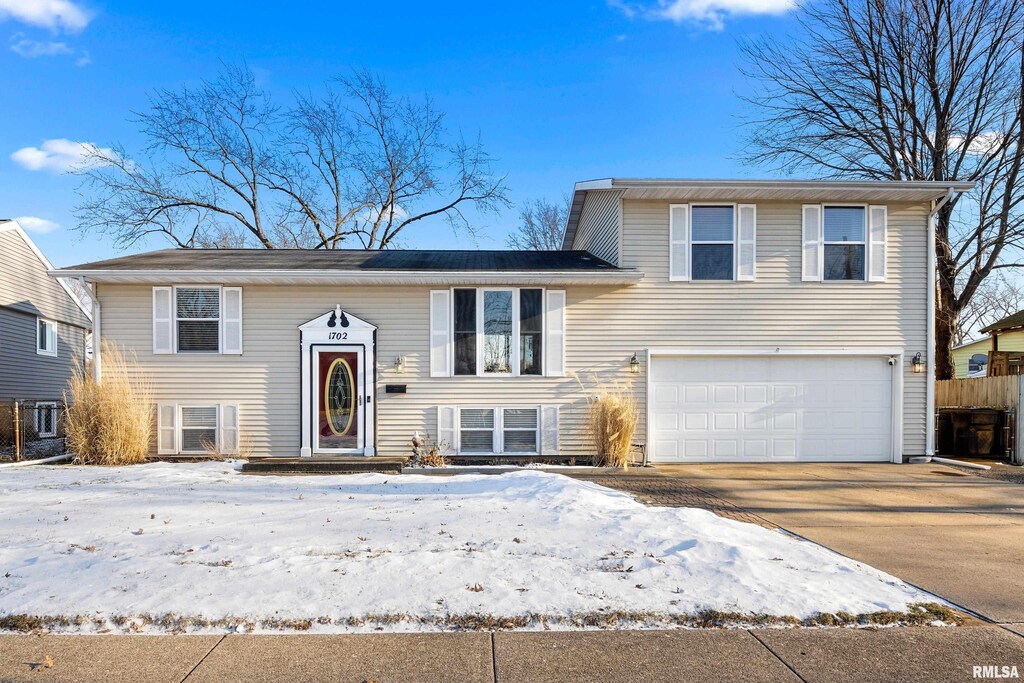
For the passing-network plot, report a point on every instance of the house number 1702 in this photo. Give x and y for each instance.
(337, 335)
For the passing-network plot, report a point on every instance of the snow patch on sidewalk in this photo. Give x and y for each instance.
(200, 539)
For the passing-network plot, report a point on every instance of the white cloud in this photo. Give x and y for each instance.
(60, 156)
(31, 49)
(708, 13)
(983, 143)
(37, 224)
(51, 14)
(84, 59)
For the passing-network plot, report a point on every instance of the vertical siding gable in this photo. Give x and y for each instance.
(598, 227)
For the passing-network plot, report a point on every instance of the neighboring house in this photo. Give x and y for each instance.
(1004, 335)
(753, 321)
(43, 324)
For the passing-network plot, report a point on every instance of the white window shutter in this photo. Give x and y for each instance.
(440, 333)
(746, 242)
(231, 320)
(549, 430)
(812, 242)
(447, 432)
(229, 428)
(878, 217)
(679, 242)
(166, 429)
(163, 320)
(554, 333)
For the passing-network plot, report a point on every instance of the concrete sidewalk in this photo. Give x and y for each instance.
(902, 655)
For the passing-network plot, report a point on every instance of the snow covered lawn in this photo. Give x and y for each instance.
(168, 547)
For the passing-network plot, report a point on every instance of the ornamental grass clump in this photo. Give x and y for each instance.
(109, 423)
(612, 418)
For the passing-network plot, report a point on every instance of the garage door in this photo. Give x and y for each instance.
(749, 408)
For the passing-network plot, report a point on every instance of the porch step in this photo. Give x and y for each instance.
(324, 465)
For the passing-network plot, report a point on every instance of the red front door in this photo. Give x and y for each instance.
(338, 414)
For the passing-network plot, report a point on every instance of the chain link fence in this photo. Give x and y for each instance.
(31, 429)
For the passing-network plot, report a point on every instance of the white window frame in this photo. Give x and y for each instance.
(498, 435)
(51, 337)
(219, 319)
(864, 243)
(734, 242)
(515, 355)
(180, 428)
(51, 407)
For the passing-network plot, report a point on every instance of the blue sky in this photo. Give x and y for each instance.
(559, 92)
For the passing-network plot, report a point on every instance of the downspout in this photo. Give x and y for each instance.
(97, 345)
(929, 447)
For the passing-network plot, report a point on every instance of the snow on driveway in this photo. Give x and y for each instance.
(409, 552)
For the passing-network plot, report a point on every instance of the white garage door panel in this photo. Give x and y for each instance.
(758, 408)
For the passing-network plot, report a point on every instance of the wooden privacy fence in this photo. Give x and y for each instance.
(980, 392)
(1002, 393)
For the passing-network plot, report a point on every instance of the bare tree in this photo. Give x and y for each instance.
(541, 226)
(351, 167)
(907, 90)
(997, 297)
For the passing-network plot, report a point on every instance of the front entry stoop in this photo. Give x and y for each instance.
(325, 465)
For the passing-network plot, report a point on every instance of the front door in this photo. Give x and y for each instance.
(339, 417)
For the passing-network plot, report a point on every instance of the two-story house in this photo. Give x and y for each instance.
(754, 320)
(43, 323)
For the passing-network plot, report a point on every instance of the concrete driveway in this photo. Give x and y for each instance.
(957, 535)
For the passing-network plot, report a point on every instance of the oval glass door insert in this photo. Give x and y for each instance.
(338, 418)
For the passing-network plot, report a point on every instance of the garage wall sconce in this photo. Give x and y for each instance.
(399, 363)
(634, 365)
(917, 363)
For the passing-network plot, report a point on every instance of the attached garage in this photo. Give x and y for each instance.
(774, 407)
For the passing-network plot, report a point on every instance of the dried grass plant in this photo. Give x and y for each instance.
(109, 423)
(612, 416)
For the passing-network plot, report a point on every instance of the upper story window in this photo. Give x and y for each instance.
(712, 242)
(198, 319)
(46, 337)
(498, 331)
(845, 242)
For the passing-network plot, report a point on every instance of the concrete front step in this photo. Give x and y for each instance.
(324, 465)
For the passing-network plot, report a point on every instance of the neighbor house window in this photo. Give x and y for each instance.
(712, 236)
(198, 319)
(46, 337)
(498, 331)
(46, 419)
(845, 230)
(498, 430)
(198, 429)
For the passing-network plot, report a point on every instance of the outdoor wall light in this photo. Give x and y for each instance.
(399, 363)
(634, 364)
(917, 363)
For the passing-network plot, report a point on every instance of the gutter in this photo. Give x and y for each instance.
(929, 447)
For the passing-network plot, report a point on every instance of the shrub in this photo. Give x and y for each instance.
(109, 423)
(427, 453)
(611, 419)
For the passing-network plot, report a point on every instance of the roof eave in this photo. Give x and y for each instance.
(333, 277)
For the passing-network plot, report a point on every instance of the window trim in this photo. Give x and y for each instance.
(514, 360)
(498, 435)
(51, 336)
(219, 319)
(734, 242)
(50, 406)
(180, 428)
(864, 243)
